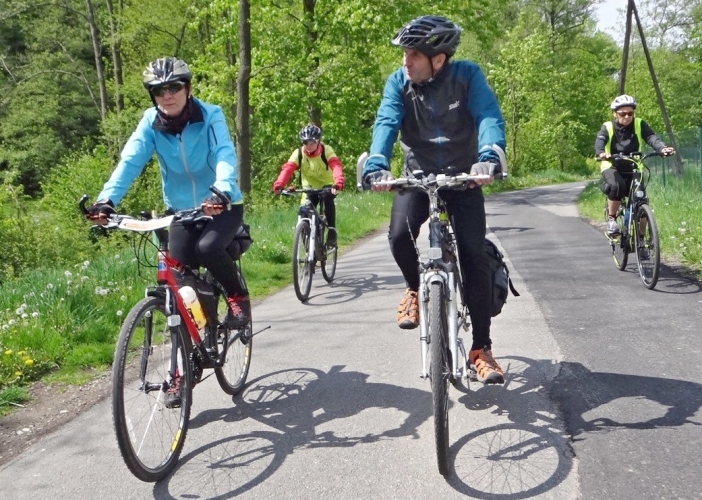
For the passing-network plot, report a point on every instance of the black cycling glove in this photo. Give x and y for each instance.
(101, 209)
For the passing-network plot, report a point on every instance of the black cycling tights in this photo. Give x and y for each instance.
(466, 210)
(205, 244)
(329, 208)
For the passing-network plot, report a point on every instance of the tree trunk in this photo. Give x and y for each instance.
(95, 37)
(243, 131)
(314, 112)
(116, 55)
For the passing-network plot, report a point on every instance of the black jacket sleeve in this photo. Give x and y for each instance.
(601, 141)
(650, 137)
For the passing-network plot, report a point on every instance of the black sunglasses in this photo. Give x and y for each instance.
(171, 88)
(625, 113)
(310, 141)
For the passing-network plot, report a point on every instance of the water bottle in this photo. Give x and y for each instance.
(192, 304)
(626, 217)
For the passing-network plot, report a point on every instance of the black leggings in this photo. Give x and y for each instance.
(466, 210)
(205, 244)
(616, 184)
(329, 207)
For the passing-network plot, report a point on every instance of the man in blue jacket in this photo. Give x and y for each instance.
(194, 149)
(448, 117)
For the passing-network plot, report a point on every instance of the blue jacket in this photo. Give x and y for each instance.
(190, 162)
(452, 120)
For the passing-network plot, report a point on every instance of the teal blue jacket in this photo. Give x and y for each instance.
(190, 162)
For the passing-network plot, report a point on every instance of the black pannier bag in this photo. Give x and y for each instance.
(500, 282)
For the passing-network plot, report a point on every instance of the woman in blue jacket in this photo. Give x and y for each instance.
(194, 150)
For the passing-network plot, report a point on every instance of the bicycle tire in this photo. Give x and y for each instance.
(439, 373)
(150, 427)
(648, 252)
(619, 242)
(233, 372)
(328, 265)
(302, 267)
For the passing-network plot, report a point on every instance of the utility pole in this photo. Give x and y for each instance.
(631, 9)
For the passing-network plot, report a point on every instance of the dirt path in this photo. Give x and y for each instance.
(50, 407)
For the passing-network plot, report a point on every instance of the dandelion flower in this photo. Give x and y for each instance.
(12, 322)
(25, 315)
(35, 314)
(123, 298)
(18, 373)
(68, 274)
(50, 286)
(8, 352)
(119, 313)
(29, 362)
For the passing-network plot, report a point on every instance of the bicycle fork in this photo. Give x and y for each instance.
(313, 237)
(455, 344)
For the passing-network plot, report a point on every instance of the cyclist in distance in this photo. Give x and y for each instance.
(624, 134)
(194, 149)
(448, 117)
(319, 167)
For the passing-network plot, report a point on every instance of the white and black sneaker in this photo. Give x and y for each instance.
(612, 227)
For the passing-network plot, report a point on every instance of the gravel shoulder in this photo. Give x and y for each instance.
(50, 406)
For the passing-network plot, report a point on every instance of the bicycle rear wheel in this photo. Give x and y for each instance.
(329, 263)
(238, 344)
(151, 392)
(302, 266)
(439, 372)
(648, 253)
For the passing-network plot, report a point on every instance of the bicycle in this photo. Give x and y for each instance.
(641, 225)
(442, 307)
(310, 243)
(160, 353)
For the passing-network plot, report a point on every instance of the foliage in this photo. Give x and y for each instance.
(19, 240)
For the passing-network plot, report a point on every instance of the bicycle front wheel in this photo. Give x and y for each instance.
(234, 348)
(620, 243)
(302, 266)
(152, 391)
(329, 263)
(648, 252)
(439, 372)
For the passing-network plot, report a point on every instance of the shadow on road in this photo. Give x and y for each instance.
(297, 404)
(579, 391)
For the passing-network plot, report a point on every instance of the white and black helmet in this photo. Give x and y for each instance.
(166, 70)
(310, 132)
(430, 35)
(622, 101)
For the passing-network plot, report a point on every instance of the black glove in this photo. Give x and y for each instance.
(217, 202)
(376, 176)
(487, 168)
(100, 210)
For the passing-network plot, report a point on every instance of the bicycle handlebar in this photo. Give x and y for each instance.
(438, 181)
(131, 223)
(326, 190)
(146, 224)
(631, 157)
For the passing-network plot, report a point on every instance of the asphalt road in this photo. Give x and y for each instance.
(601, 397)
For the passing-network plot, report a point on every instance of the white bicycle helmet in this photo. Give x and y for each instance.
(622, 101)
